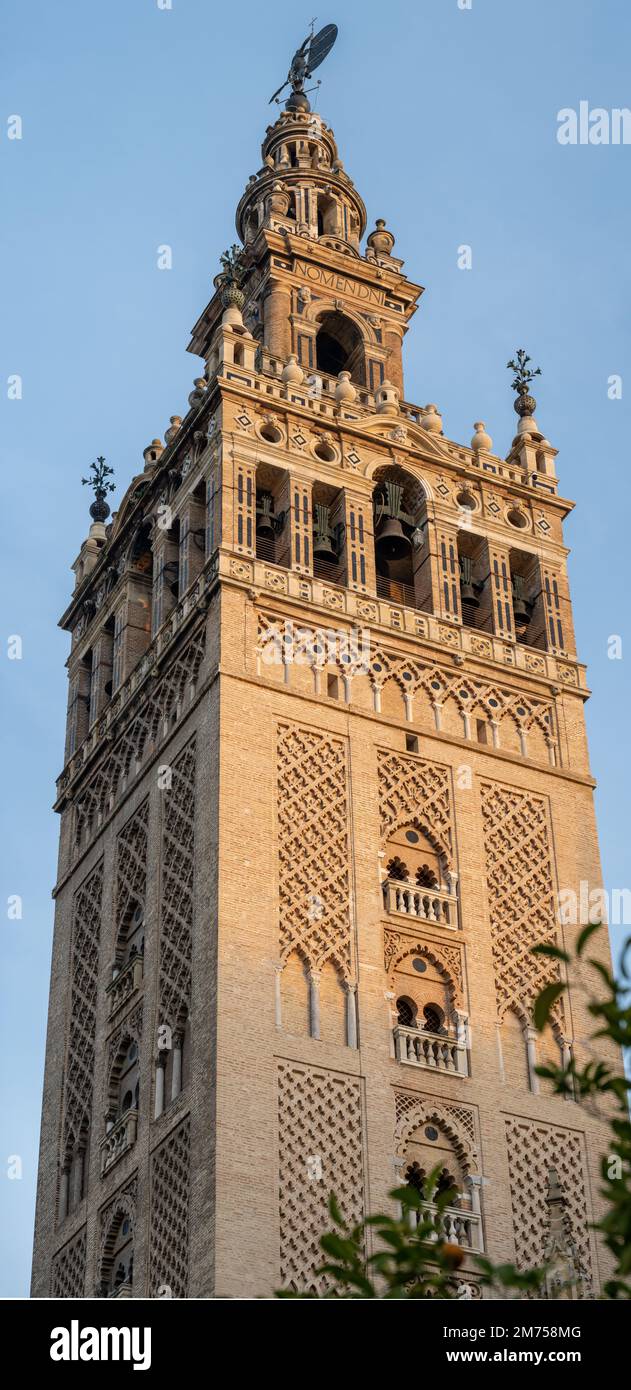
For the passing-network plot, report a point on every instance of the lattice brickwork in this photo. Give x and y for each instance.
(143, 730)
(176, 937)
(320, 1144)
(79, 1080)
(314, 848)
(68, 1272)
(521, 894)
(131, 863)
(414, 791)
(533, 1149)
(170, 1186)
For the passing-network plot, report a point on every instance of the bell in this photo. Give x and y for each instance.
(392, 542)
(521, 606)
(265, 516)
(468, 593)
(323, 536)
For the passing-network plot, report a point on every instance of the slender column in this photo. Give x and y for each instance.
(473, 1182)
(77, 1178)
(63, 1194)
(351, 1013)
(176, 1074)
(531, 1050)
(314, 1003)
(159, 1100)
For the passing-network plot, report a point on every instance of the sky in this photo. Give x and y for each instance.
(140, 127)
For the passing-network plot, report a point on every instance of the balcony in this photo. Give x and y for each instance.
(431, 905)
(118, 1140)
(122, 1291)
(458, 1226)
(436, 1051)
(125, 984)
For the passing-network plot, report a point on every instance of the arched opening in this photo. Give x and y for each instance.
(340, 347)
(117, 1269)
(272, 533)
(130, 944)
(399, 508)
(328, 533)
(328, 219)
(474, 587)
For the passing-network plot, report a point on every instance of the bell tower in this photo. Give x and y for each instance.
(325, 774)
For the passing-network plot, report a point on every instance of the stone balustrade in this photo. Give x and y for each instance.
(125, 984)
(431, 905)
(436, 1051)
(458, 1225)
(120, 1138)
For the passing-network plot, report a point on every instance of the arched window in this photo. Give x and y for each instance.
(128, 1091)
(396, 868)
(117, 1269)
(340, 347)
(399, 507)
(406, 1012)
(272, 532)
(433, 1018)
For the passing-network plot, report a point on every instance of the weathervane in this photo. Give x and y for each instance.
(101, 472)
(308, 57)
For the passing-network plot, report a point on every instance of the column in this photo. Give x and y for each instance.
(351, 1013)
(63, 1193)
(531, 1052)
(159, 1091)
(314, 1003)
(176, 1073)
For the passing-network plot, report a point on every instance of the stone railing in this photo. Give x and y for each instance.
(431, 905)
(437, 1051)
(123, 1291)
(125, 984)
(457, 1225)
(118, 1140)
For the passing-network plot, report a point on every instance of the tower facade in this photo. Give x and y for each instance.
(325, 774)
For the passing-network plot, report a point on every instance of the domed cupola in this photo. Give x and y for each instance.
(303, 187)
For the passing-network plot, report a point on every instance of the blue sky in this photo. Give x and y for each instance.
(140, 128)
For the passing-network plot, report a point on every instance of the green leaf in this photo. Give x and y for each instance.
(585, 935)
(554, 952)
(545, 1003)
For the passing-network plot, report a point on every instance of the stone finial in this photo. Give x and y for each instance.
(481, 442)
(170, 434)
(345, 391)
(381, 241)
(387, 399)
(101, 484)
(431, 420)
(292, 371)
(152, 454)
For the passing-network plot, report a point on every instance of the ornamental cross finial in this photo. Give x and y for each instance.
(524, 374)
(100, 484)
(525, 405)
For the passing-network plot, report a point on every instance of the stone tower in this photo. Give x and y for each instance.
(325, 773)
